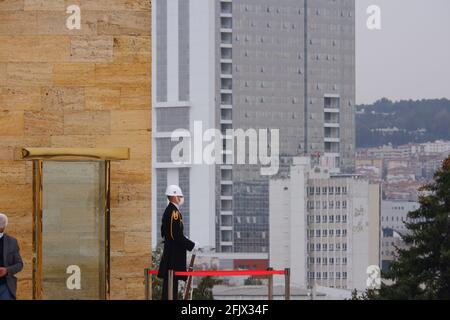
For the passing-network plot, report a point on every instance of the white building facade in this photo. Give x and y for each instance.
(324, 227)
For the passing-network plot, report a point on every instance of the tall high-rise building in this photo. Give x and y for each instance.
(249, 64)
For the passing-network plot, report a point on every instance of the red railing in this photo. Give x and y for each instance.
(223, 273)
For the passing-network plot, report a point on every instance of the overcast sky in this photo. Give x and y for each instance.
(409, 58)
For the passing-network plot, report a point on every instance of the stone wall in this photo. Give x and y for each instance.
(79, 88)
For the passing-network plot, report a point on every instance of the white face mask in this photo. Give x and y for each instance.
(181, 202)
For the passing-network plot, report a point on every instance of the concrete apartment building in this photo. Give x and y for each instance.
(394, 215)
(249, 64)
(324, 226)
(87, 88)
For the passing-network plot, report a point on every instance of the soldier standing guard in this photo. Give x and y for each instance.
(175, 243)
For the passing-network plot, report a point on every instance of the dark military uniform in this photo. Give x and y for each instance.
(175, 247)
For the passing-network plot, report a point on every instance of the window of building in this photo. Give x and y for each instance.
(344, 190)
(324, 219)
(338, 233)
(331, 190)
(324, 191)
(344, 204)
(338, 190)
(331, 204)
(344, 232)
(344, 218)
(331, 220)
(338, 219)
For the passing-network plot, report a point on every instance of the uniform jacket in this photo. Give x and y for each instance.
(12, 261)
(175, 243)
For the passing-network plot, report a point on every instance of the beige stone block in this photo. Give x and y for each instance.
(11, 5)
(2, 73)
(139, 144)
(7, 153)
(11, 123)
(129, 121)
(129, 266)
(34, 49)
(125, 23)
(20, 224)
(136, 98)
(131, 219)
(20, 98)
(62, 99)
(16, 196)
(131, 172)
(115, 5)
(54, 23)
(29, 74)
(74, 74)
(102, 98)
(17, 22)
(130, 196)
(59, 5)
(134, 74)
(132, 49)
(137, 242)
(135, 288)
(117, 243)
(73, 141)
(24, 289)
(13, 172)
(87, 122)
(91, 49)
(118, 287)
(43, 123)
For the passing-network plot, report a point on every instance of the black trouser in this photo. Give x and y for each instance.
(165, 290)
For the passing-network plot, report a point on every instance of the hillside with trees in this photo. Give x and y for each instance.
(402, 122)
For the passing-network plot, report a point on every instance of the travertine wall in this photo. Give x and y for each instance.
(79, 88)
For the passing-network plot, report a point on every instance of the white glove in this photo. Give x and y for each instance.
(196, 246)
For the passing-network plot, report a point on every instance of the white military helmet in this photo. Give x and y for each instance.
(174, 190)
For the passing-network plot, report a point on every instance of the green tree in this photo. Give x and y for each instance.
(250, 281)
(156, 282)
(204, 289)
(422, 271)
